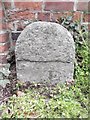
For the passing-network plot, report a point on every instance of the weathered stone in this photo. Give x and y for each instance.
(45, 52)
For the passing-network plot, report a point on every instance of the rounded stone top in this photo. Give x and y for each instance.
(45, 41)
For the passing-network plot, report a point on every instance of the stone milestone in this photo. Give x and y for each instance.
(45, 53)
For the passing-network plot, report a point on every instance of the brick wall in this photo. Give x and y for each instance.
(4, 37)
(18, 15)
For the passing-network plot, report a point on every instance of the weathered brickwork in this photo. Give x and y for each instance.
(4, 36)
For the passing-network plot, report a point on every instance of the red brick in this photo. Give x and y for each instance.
(44, 16)
(77, 16)
(10, 26)
(82, 6)
(55, 16)
(3, 26)
(4, 48)
(3, 59)
(59, 6)
(29, 5)
(89, 6)
(4, 37)
(1, 14)
(86, 18)
(22, 15)
(7, 5)
(20, 25)
(0, 4)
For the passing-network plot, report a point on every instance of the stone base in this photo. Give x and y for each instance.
(44, 72)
